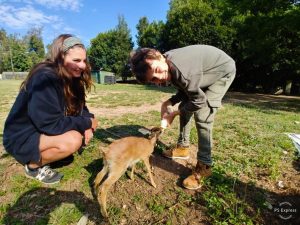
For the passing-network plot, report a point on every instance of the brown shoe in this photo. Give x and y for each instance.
(194, 181)
(177, 153)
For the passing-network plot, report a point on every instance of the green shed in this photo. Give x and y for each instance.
(103, 77)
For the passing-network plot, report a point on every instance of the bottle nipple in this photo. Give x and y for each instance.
(164, 123)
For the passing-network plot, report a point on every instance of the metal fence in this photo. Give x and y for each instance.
(13, 75)
(100, 77)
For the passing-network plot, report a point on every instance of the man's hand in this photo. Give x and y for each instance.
(164, 109)
(170, 116)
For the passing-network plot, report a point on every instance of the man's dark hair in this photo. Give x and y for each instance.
(138, 63)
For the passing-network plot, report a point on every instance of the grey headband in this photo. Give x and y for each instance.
(71, 42)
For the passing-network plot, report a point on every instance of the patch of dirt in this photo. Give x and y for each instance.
(11, 168)
(121, 110)
(239, 97)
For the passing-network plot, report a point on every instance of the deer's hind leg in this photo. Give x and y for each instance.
(132, 172)
(100, 175)
(113, 176)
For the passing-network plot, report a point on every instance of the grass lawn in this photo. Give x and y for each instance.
(255, 174)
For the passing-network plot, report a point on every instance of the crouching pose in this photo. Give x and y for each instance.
(49, 119)
(202, 75)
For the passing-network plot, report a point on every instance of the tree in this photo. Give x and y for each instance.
(36, 47)
(151, 35)
(259, 7)
(21, 60)
(195, 22)
(13, 53)
(122, 49)
(141, 27)
(110, 50)
(35, 41)
(267, 48)
(4, 50)
(20, 53)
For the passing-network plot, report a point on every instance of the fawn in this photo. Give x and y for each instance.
(120, 155)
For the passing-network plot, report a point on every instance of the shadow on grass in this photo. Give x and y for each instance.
(266, 103)
(167, 89)
(117, 132)
(63, 162)
(94, 168)
(296, 164)
(228, 199)
(153, 87)
(36, 205)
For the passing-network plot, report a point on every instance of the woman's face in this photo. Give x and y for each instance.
(75, 61)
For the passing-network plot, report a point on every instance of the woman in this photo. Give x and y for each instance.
(49, 120)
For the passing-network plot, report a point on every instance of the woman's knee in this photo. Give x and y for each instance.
(73, 142)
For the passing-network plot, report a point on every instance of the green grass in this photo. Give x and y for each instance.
(249, 145)
(9, 90)
(111, 96)
(65, 214)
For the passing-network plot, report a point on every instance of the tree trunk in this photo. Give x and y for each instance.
(288, 87)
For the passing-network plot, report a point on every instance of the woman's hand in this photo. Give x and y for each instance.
(88, 135)
(94, 124)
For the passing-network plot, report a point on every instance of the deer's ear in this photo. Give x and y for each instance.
(156, 130)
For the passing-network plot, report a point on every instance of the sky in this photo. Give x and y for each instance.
(82, 18)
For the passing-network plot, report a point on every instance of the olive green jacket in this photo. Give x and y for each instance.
(193, 69)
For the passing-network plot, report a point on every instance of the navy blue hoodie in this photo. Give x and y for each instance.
(40, 109)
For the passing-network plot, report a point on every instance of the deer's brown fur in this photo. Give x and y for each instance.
(120, 155)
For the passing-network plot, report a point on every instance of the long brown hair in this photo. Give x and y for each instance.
(74, 88)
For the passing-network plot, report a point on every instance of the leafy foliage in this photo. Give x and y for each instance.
(110, 50)
(35, 42)
(195, 22)
(267, 50)
(150, 35)
(20, 54)
(141, 27)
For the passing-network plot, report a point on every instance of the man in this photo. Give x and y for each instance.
(202, 74)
